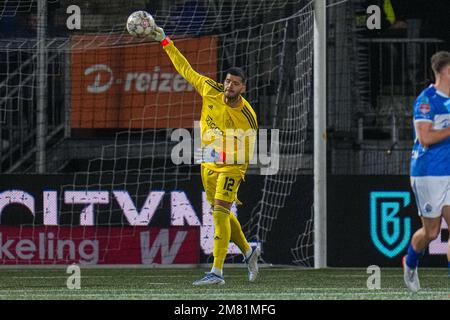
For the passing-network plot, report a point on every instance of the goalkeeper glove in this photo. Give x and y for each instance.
(209, 155)
(158, 34)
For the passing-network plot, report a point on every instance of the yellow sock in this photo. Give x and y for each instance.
(222, 235)
(237, 235)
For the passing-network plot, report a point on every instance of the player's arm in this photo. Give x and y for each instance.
(179, 61)
(427, 135)
(424, 114)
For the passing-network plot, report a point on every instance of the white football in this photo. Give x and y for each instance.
(140, 24)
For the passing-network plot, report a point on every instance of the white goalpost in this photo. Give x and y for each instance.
(320, 138)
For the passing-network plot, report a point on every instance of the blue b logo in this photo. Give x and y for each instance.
(385, 224)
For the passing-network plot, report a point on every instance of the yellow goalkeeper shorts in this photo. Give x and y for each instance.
(220, 185)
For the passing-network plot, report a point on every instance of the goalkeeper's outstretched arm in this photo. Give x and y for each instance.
(179, 61)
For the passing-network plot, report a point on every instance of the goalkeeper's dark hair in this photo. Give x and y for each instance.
(236, 71)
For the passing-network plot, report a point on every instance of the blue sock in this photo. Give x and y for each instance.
(449, 268)
(412, 259)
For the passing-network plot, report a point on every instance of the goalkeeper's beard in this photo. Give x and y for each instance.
(231, 98)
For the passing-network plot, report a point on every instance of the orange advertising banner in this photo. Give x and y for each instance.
(135, 85)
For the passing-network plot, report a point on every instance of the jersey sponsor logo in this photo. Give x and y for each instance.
(424, 108)
(210, 106)
(210, 122)
(390, 233)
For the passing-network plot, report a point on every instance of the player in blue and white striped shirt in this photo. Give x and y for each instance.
(430, 164)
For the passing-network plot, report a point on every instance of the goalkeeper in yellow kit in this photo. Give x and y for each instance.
(227, 119)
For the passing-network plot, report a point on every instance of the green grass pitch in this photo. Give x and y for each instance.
(273, 283)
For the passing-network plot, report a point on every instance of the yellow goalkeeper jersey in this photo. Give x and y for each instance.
(219, 123)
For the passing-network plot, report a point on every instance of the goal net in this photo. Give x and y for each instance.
(124, 192)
